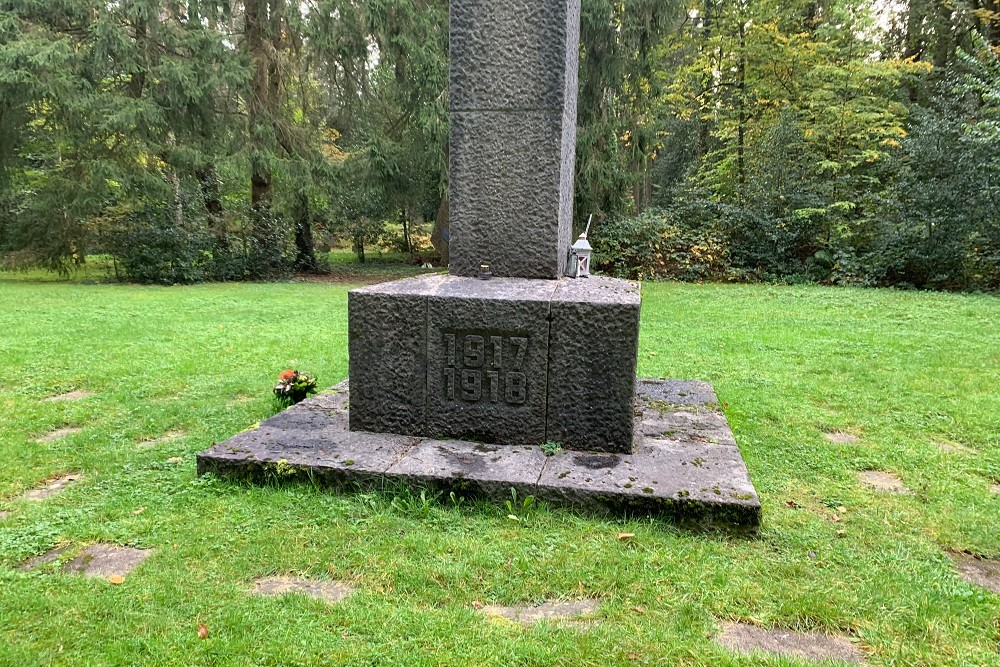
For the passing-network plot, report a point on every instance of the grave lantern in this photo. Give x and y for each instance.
(579, 255)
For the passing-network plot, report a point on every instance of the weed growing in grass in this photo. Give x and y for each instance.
(520, 511)
(413, 505)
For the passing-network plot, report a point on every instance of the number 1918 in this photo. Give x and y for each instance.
(469, 385)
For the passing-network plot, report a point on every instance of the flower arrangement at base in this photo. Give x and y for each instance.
(293, 387)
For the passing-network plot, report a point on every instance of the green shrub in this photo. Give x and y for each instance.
(657, 244)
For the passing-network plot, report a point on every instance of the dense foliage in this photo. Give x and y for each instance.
(844, 141)
(823, 141)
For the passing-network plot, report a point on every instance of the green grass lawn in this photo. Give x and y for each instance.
(906, 372)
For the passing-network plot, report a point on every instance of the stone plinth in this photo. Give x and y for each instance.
(509, 361)
(686, 465)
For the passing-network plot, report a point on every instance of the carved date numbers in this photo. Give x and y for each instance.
(485, 367)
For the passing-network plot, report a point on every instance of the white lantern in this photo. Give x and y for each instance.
(579, 256)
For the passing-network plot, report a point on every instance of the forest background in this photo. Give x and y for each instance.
(838, 141)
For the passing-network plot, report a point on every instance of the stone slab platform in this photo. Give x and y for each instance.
(686, 465)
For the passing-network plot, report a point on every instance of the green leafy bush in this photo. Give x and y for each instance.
(661, 243)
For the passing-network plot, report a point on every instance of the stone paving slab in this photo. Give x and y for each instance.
(107, 560)
(684, 393)
(51, 488)
(954, 448)
(327, 591)
(746, 638)
(979, 571)
(169, 436)
(52, 436)
(841, 437)
(694, 474)
(882, 482)
(481, 469)
(47, 557)
(68, 396)
(547, 611)
(687, 480)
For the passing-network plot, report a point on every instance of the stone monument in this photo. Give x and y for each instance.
(455, 380)
(527, 356)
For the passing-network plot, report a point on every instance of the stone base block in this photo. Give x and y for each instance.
(686, 465)
(510, 361)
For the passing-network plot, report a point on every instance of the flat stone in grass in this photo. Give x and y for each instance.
(50, 488)
(979, 571)
(68, 396)
(547, 611)
(954, 448)
(58, 433)
(47, 557)
(746, 638)
(995, 488)
(163, 439)
(882, 482)
(840, 437)
(107, 560)
(327, 591)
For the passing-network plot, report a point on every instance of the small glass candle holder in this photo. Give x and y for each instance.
(484, 271)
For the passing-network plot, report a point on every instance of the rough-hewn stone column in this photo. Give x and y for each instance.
(513, 132)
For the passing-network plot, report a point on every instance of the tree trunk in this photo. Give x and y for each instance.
(704, 131)
(359, 248)
(208, 180)
(440, 235)
(255, 33)
(404, 220)
(912, 45)
(137, 81)
(741, 119)
(944, 46)
(305, 255)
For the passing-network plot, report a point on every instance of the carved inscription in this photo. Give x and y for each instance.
(485, 367)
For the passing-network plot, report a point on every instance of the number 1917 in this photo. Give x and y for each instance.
(485, 367)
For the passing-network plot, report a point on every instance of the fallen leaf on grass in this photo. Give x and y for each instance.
(174, 459)
(791, 503)
(116, 579)
(835, 518)
(625, 536)
(202, 631)
(139, 511)
(476, 604)
(841, 533)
